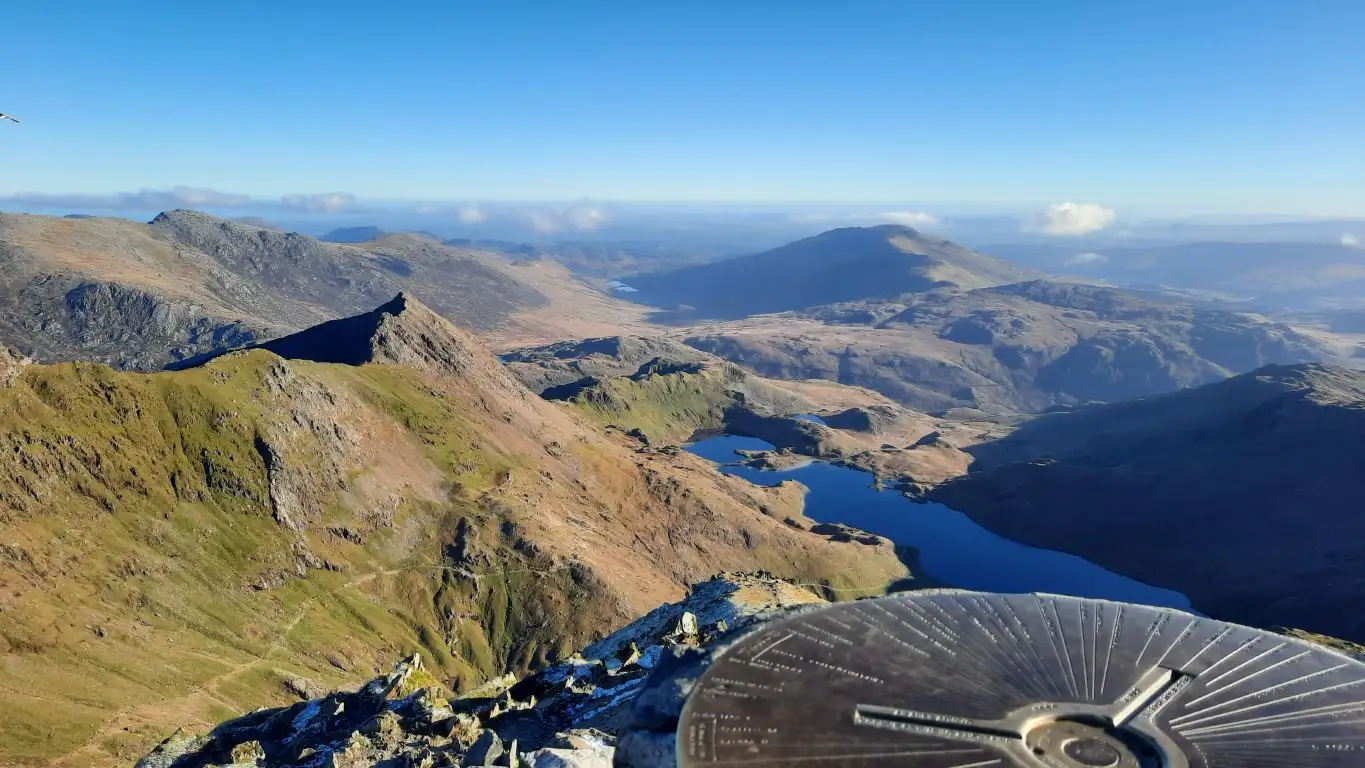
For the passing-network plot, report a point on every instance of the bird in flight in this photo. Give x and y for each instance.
(11, 118)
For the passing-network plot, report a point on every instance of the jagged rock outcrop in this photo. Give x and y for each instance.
(11, 365)
(567, 714)
(402, 331)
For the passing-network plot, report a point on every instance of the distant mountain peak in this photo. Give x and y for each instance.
(897, 229)
(840, 265)
(184, 214)
(362, 234)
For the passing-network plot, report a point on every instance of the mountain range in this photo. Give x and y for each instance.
(1019, 347)
(333, 474)
(182, 544)
(138, 296)
(918, 318)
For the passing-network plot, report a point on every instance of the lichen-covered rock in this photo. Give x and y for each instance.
(247, 754)
(593, 757)
(172, 749)
(486, 750)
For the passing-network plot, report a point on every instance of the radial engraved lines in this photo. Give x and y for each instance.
(970, 680)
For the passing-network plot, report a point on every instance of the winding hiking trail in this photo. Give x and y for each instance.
(203, 693)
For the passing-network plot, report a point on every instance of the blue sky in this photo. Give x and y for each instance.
(1158, 107)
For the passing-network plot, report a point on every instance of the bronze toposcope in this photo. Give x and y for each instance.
(971, 680)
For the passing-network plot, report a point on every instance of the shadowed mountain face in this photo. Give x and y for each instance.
(141, 295)
(848, 264)
(181, 544)
(1019, 347)
(1245, 495)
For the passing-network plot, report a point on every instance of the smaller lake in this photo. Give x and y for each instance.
(952, 547)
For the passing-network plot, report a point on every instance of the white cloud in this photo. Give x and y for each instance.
(585, 218)
(908, 218)
(543, 219)
(1349, 240)
(1076, 218)
(1087, 258)
(546, 221)
(328, 202)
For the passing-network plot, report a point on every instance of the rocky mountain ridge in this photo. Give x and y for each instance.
(1022, 347)
(181, 543)
(139, 296)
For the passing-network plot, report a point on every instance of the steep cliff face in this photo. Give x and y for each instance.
(1244, 495)
(178, 545)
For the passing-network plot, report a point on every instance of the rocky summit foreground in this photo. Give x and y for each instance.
(178, 547)
(749, 669)
(568, 714)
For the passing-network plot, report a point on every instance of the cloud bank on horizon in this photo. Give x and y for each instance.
(184, 197)
(1075, 218)
(543, 218)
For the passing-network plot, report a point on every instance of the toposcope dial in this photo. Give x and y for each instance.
(971, 680)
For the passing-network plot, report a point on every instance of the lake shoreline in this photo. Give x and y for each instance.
(950, 547)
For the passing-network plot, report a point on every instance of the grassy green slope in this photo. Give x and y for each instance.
(667, 407)
(137, 525)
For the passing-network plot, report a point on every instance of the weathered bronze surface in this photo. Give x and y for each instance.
(971, 680)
